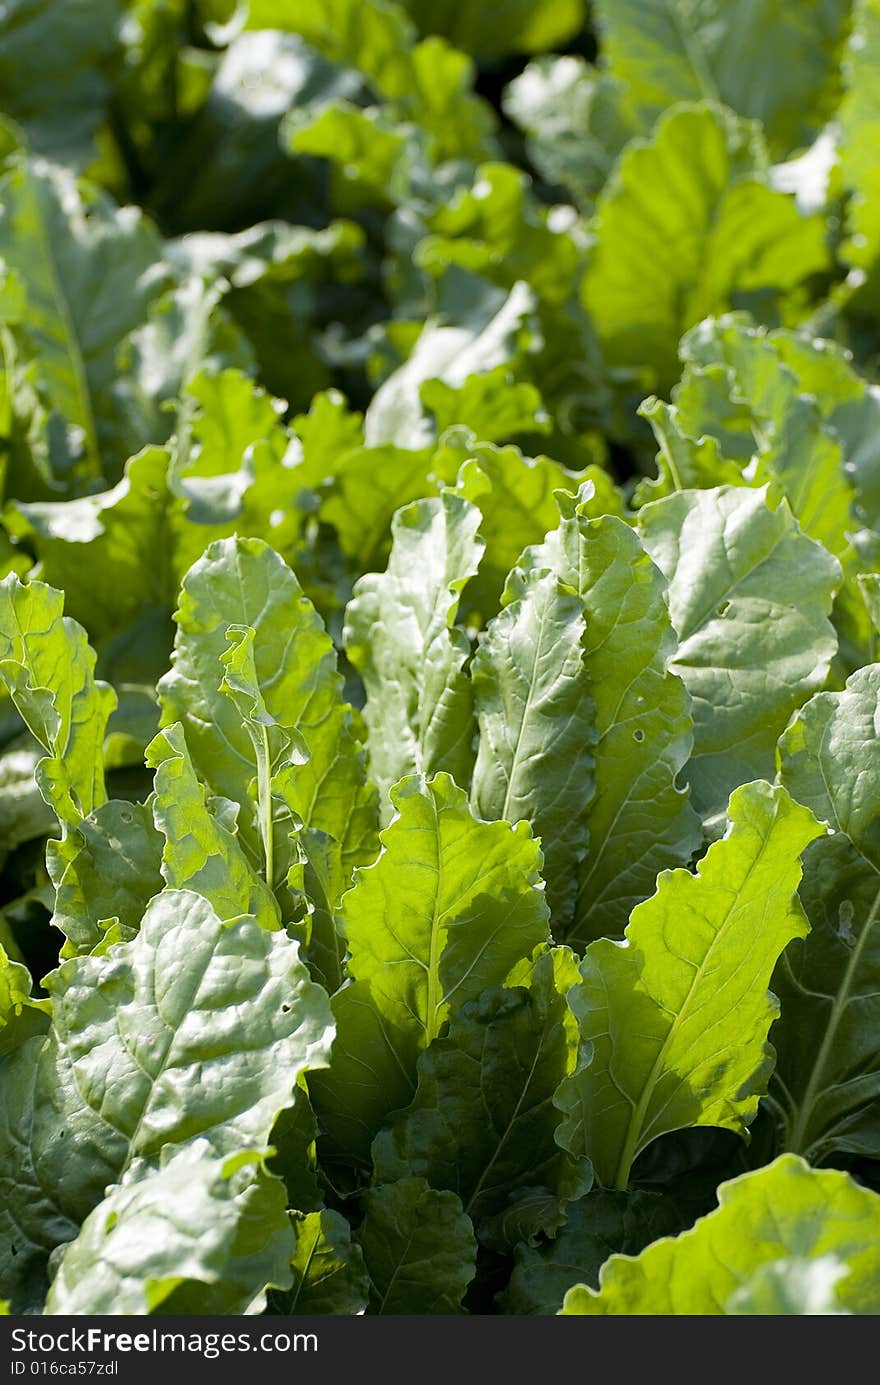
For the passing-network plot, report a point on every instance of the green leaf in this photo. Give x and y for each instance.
(244, 583)
(31, 1221)
(53, 72)
(446, 911)
(678, 1014)
(749, 596)
(603, 1223)
(496, 229)
(48, 666)
(683, 462)
(661, 262)
(227, 466)
(639, 821)
(121, 533)
(19, 1012)
(494, 406)
(791, 1286)
(328, 431)
(283, 279)
(197, 1027)
(860, 125)
(828, 1071)
(88, 271)
(201, 1234)
(514, 26)
(482, 1122)
(401, 636)
(784, 1210)
(537, 731)
(791, 443)
(869, 585)
(368, 486)
(323, 884)
(329, 1275)
(294, 1161)
(418, 1247)
(200, 853)
(105, 872)
(667, 51)
(374, 159)
(278, 751)
(428, 82)
(574, 122)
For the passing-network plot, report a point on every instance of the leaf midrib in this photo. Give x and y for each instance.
(637, 1119)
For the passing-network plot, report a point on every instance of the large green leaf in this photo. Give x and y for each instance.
(451, 905)
(482, 1122)
(666, 51)
(661, 262)
(536, 719)
(201, 1234)
(48, 666)
(639, 821)
(418, 1247)
(749, 596)
(87, 271)
(244, 583)
(782, 1211)
(678, 1015)
(828, 1073)
(197, 1027)
(401, 636)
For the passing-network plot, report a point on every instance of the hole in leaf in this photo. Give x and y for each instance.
(724, 608)
(638, 736)
(285, 1009)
